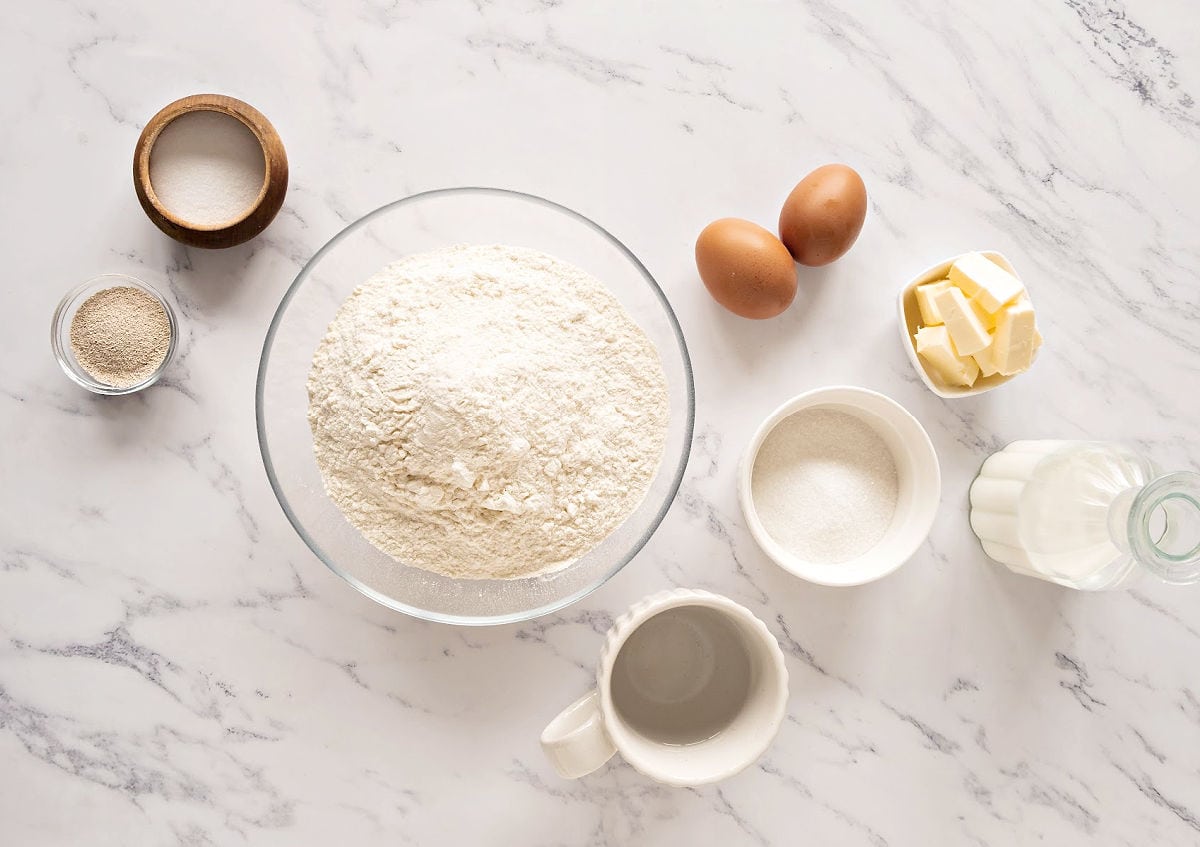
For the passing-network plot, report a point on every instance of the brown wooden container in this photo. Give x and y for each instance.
(257, 216)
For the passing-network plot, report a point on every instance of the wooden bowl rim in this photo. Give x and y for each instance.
(243, 112)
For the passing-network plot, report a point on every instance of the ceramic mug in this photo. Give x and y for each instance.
(691, 688)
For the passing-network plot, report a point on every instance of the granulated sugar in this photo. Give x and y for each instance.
(207, 168)
(825, 485)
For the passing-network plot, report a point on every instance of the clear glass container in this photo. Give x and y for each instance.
(417, 224)
(60, 333)
(1086, 514)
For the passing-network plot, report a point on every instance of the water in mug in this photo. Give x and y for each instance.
(683, 676)
(1045, 509)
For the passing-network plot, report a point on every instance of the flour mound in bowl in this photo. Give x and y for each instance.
(486, 412)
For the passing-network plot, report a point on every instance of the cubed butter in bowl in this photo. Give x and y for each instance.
(968, 324)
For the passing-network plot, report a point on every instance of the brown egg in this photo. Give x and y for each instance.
(746, 268)
(824, 214)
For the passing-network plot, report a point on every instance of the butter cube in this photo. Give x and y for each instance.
(1016, 338)
(983, 358)
(986, 318)
(936, 348)
(966, 330)
(930, 316)
(981, 278)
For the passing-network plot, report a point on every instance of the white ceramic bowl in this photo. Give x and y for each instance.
(910, 319)
(920, 486)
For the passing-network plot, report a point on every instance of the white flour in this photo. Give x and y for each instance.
(825, 485)
(486, 412)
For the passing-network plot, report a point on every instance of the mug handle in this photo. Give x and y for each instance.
(575, 742)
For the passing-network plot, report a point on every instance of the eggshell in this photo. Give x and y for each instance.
(746, 268)
(824, 214)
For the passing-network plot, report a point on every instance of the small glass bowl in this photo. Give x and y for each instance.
(60, 333)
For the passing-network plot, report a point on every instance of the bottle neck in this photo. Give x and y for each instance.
(1163, 527)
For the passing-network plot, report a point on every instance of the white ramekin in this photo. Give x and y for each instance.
(919, 486)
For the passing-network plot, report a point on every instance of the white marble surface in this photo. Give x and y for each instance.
(177, 668)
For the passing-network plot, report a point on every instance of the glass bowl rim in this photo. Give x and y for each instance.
(368, 591)
(67, 363)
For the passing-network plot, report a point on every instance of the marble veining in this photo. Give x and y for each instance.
(177, 668)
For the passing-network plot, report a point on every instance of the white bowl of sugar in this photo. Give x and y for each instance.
(840, 485)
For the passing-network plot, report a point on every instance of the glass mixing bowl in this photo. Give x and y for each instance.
(414, 225)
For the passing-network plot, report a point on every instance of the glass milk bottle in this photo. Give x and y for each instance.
(1087, 514)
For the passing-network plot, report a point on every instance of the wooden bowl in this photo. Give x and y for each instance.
(260, 213)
